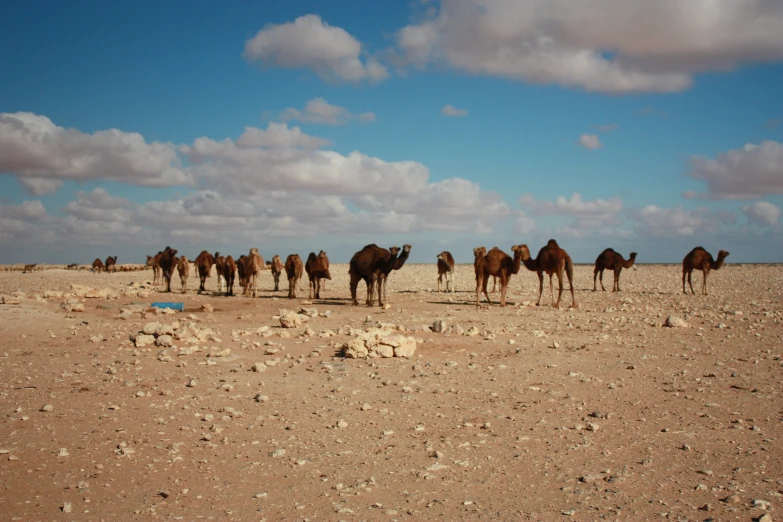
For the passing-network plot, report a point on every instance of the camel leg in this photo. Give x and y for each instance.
(503, 287)
(440, 276)
(704, 282)
(690, 283)
(601, 277)
(616, 286)
(484, 284)
(354, 283)
(571, 286)
(684, 291)
(552, 290)
(540, 287)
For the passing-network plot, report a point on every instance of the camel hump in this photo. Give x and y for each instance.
(552, 243)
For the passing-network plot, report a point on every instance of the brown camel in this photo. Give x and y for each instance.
(317, 268)
(167, 264)
(609, 259)
(97, 265)
(219, 262)
(154, 263)
(294, 270)
(498, 264)
(554, 261)
(478, 253)
(385, 270)
(365, 264)
(111, 264)
(253, 263)
(204, 262)
(183, 268)
(325, 263)
(700, 259)
(446, 270)
(29, 268)
(229, 272)
(277, 268)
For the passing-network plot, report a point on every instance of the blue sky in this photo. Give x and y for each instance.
(303, 126)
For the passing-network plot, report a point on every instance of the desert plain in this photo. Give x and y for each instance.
(600, 412)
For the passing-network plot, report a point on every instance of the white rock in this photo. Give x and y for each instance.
(355, 349)
(258, 367)
(164, 340)
(290, 319)
(675, 322)
(151, 328)
(144, 340)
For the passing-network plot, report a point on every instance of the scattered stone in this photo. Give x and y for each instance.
(191, 383)
(144, 340)
(258, 367)
(164, 341)
(341, 424)
(675, 322)
(206, 307)
(438, 326)
(289, 319)
(47, 408)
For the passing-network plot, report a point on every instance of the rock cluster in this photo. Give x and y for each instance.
(379, 342)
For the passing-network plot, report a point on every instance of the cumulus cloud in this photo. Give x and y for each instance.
(275, 136)
(671, 222)
(42, 155)
(763, 213)
(750, 172)
(310, 43)
(597, 45)
(585, 214)
(450, 110)
(319, 110)
(590, 141)
(99, 205)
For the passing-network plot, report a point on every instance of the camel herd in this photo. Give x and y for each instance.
(373, 264)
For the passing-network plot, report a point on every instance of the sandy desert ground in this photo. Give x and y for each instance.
(515, 413)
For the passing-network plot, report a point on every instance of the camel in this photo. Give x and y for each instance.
(365, 264)
(446, 270)
(219, 262)
(167, 264)
(253, 263)
(183, 268)
(325, 262)
(154, 262)
(700, 259)
(277, 268)
(111, 264)
(498, 264)
(29, 268)
(204, 262)
(609, 259)
(229, 271)
(554, 261)
(293, 269)
(385, 270)
(97, 265)
(478, 253)
(317, 268)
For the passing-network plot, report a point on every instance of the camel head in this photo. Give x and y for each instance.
(406, 248)
(480, 251)
(442, 256)
(395, 251)
(722, 255)
(524, 250)
(321, 254)
(632, 256)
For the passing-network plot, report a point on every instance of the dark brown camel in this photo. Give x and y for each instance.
(241, 274)
(229, 271)
(611, 260)
(294, 270)
(446, 270)
(29, 268)
(317, 268)
(700, 259)
(554, 261)
(498, 264)
(384, 270)
(364, 266)
(111, 264)
(220, 262)
(97, 265)
(167, 264)
(204, 262)
(276, 266)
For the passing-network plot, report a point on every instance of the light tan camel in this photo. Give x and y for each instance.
(277, 268)
(554, 261)
(97, 265)
(317, 268)
(294, 269)
(609, 259)
(325, 263)
(229, 273)
(111, 264)
(499, 264)
(253, 264)
(446, 271)
(220, 263)
(183, 268)
(29, 268)
(154, 263)
(700, 259)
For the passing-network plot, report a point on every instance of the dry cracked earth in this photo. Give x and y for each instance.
(515, 413)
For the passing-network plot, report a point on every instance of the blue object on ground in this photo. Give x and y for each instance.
(176, 306)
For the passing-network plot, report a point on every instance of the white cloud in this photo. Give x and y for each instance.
(276, 135)
(597, 45)
(763, 213)
(750, 172)
(450, 110)
(670, 222)
(522, 223)
(99, 205)
(586, 214)
(310, 43)
(319, 110)
(42, 155)
(590, 141)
